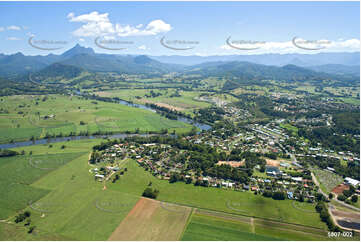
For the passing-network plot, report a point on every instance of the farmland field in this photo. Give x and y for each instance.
(23, 117)
(152, 220)
(218, 226)
(186, 102)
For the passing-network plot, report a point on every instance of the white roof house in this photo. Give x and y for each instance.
(351, 181)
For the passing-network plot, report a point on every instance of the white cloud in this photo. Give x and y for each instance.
(341, 45)
(81, 40)
(142, 47)
(13, 38)
(2, 29)
(97, 24)
(13, 27)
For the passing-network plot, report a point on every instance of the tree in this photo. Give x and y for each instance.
(330, 196)
(354, 198)
(320, 197)
(63, 147)
(279, 196)
(341, 197)
(149, 192)
(31, 229)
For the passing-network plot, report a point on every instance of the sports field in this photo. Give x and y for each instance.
(22, 117)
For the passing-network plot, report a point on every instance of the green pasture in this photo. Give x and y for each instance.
(22, 117)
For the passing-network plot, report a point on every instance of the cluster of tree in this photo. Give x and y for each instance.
(167, 112)
(209, 115)
(325, 216)
(95, 156)
(277, 195)
(326, 136)
(346, 194)
(7, 153)
(22, 216)
(151, 193)
(347, 122)
(153, 94)
(226, 172)
(351, 170)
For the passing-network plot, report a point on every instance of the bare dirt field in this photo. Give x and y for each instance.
(152, 220)
(272, 162)
(340, 188)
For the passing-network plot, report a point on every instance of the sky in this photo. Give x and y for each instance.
(180, 28)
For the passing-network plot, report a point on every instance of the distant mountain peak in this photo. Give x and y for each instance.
(77, 50)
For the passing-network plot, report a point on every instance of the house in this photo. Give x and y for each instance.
(246, 187)
(272, 171)
(352, 182)
(99, 177)
(330, 169)
(297, 179)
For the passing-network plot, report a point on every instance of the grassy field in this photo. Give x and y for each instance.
(73, 205)
(19, 172)
(152, 220)
(328, 180)
(244, 203)
(205, 227)
(22, 117)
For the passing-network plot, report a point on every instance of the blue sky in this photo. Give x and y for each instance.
(201, 26)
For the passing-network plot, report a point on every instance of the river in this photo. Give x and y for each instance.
(116, 136)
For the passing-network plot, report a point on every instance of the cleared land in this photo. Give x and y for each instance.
(328, 180)
(22, 117)
(152, 220)
(186, 102)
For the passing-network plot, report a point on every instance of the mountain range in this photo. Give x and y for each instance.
(281, 67)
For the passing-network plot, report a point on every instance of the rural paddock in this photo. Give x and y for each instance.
(152, 220)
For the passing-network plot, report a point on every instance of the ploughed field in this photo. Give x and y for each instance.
(26, 116)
